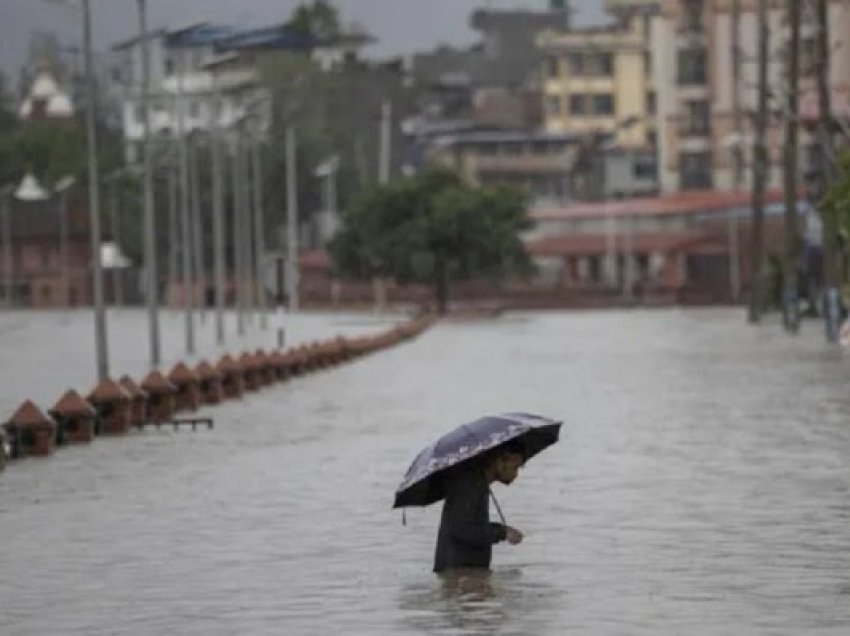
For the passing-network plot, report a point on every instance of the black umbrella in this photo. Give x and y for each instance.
(424, 482)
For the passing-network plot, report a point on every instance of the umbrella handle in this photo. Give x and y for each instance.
(498, 509)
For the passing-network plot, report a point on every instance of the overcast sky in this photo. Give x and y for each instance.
(400, 25)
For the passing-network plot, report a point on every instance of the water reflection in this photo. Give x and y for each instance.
(470, 601)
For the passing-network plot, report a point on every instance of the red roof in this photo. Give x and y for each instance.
(72, 405)
(228, 365)
(156, 384)
(181, 374)
(129, 385)
(585, 244)
(670, 204)
(206, 371)
(28, 414)
(109, 391)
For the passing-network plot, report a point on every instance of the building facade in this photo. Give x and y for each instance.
(707, 92)
(36, 255)
(600, 79)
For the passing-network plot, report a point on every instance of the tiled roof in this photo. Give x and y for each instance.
(72, 405)
(28, 414)
(108, 391)
(156, 384)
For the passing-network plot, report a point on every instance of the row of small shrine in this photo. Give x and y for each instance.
(116, 407)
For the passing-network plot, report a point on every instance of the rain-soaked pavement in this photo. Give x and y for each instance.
(701, 486)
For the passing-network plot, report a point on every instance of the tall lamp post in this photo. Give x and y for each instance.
(62, 188)
(101, 352)
(151, 269)
(100, 343)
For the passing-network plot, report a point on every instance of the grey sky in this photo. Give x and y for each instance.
(400, 25)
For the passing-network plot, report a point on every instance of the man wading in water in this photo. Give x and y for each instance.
(466, 534)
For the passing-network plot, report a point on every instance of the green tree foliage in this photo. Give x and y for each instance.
(319, 20)
(837, 199)
(433, 228)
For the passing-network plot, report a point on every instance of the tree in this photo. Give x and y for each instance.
(319, 21)
(433, 228)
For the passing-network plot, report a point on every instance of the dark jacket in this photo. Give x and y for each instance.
(466, 535)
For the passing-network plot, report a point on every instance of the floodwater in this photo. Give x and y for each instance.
(701, 486)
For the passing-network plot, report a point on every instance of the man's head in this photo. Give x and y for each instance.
(505, 462)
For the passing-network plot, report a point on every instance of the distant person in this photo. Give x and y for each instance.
(466, 535)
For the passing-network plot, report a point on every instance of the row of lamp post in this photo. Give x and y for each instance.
(252, 160)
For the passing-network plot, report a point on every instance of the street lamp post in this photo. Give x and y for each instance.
(291, 221)
(259, 229)
(218, 228)
(101, 352)
(186, 255)
(62, 189)
(238, 247)
(151, 269)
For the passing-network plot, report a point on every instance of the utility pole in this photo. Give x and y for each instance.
(259, 228)
(790, 314)
(185, 232)
(292, 273)
(100, 343)
(151, 269)
(830, 223)
(738, 154)
(218, 227)
(760, 168)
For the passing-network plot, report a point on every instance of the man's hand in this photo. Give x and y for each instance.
(512, 535)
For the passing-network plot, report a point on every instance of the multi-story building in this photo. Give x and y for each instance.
(600, 79)
(707, 90)
(496, 82)
(186, 67)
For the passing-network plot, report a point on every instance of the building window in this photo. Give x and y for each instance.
(808, 55)
(695, 171)
(603, 104)
(691, 64)
(696, 118)
(600, 65)
(645, 168)
(578, 105)
(553, 106)
(168, 66)
(139, 113)
(194, 109)
(651, 103)
(552, 67)
(591, 64)
(692, 15)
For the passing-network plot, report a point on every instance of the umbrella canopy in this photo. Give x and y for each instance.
(424, 482)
